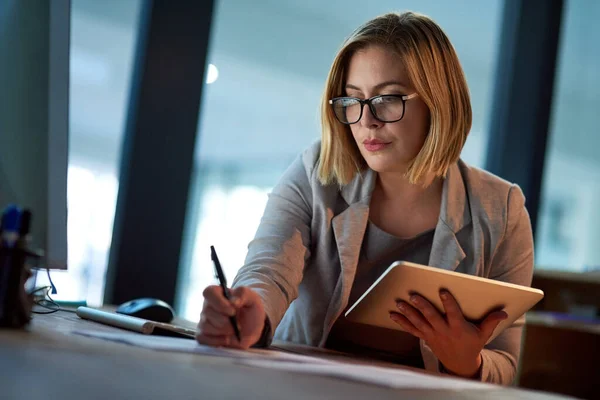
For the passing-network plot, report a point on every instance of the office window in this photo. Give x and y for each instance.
(103, 37)
(568, 235)
(265, 57)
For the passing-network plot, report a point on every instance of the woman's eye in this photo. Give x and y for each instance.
(389, 99)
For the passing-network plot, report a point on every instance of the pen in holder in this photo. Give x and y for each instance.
(15, 302)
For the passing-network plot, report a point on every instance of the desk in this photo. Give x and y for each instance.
(47, 362)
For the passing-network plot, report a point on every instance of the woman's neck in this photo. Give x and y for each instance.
(395, 187)
(404, 209)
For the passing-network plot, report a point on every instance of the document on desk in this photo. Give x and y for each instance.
(395, 378)
(182, 345)
(293, 363)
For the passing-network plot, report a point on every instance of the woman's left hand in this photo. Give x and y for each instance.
(456, 342)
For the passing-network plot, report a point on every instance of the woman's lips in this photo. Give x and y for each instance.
(375, 145)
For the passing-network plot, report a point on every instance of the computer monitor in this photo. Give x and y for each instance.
(34, 119)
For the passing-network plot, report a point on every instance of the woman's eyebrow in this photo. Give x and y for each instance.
(378, 86)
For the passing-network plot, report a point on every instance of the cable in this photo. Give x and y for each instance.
(33, 292)
(54, 291)
(59, 307)
(50, 306)
(47, 302)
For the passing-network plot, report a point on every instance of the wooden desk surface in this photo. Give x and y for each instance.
(48, 362)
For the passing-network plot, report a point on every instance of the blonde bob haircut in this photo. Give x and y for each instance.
(437, 76)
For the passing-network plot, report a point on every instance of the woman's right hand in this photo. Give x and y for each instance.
(214, 328)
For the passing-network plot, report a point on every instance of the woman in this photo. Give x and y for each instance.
(384, 183)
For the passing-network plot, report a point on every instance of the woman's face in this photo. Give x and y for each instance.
(386, 147)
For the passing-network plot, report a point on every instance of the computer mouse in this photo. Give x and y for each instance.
(148, 308)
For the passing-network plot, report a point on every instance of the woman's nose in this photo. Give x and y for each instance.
(368, 120)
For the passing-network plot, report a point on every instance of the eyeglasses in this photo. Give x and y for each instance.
(385, 108)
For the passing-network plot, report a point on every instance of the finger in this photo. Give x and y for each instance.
(453, 312)
(489, 324)
(242, 296)
(415, 317)
(207, 325)
(208, 338)
(218, 320)
(213, 340)
(431, 314)
(213, 297)
(406, 325)
(208, 328)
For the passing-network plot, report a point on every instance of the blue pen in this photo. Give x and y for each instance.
(11, 221)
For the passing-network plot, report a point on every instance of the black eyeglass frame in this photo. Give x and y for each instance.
(369, 102)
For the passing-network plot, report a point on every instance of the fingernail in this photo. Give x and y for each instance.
(414, 299)
(401, 307)
(444, 295)
(394, 317)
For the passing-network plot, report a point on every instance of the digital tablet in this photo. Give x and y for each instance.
(476, 296)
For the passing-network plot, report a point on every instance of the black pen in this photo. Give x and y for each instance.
(223, 283)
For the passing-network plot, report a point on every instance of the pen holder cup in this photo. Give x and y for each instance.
(15, 302)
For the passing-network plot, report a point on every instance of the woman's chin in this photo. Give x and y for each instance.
(381, 165)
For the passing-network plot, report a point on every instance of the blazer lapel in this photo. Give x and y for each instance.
(349, 228)
(446, 251)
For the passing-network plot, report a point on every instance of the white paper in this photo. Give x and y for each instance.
(396, 378)
(182, 345)
(295, 363)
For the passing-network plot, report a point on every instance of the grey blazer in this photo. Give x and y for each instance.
(303, 259)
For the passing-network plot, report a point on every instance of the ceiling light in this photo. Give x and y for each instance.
(212, 74)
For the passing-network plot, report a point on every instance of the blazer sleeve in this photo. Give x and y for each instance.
(512, 262)
(277, 255)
